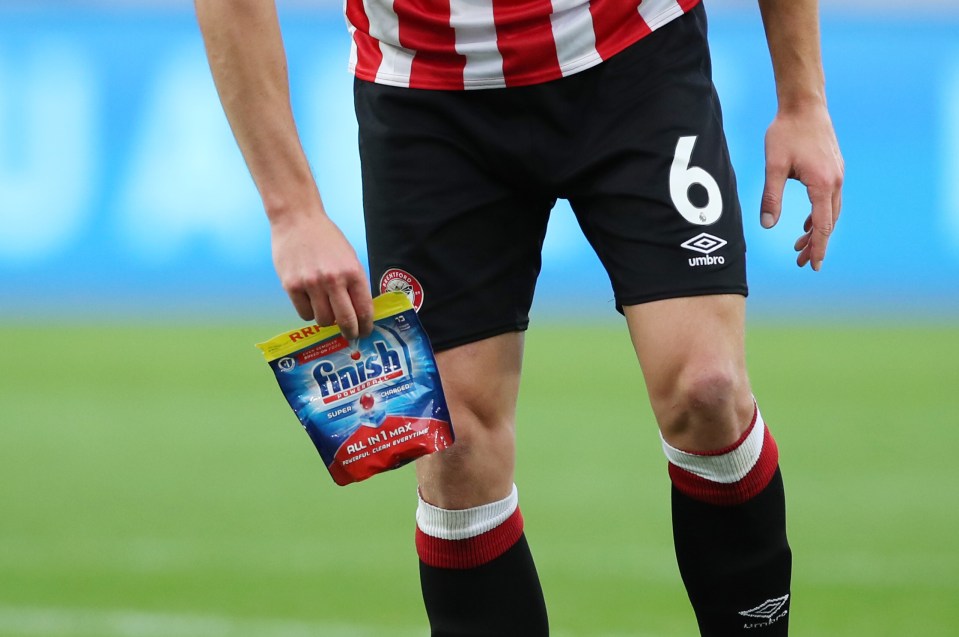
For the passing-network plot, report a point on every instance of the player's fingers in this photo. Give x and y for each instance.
(822, 226)
(803, 239)
(322, 311)
(803, 258)
(301, 302)
(771, 204)
(344, 313)
(362, 302)
(837, 183)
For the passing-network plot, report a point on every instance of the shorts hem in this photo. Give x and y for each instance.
(440, 345)
(742, 290)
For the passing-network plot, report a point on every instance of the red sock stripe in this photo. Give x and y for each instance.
(721, 494)
(472, 552)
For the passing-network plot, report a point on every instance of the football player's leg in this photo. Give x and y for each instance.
(729, 521)
(476, 570)
(454, 221)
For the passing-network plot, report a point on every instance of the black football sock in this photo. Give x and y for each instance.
(729, 528)
(477, 572)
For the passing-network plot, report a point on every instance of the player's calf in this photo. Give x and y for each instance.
(477, 572)
(729, 527)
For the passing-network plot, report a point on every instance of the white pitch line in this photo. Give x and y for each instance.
(63, 622)
(36, 621)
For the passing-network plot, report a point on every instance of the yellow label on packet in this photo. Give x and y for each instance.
(284, 344)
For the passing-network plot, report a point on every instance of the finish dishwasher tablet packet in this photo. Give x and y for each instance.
(368, 405)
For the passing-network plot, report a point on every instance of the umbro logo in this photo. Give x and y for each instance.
(706, 244)
(770, 611)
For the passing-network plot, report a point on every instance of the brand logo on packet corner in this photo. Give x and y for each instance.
(338, 383)
(770, 611)
(705, 244)
(397, 280)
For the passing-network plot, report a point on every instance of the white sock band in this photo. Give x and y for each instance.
(726, 468)
(447, 524)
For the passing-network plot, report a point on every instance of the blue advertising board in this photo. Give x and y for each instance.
(121, 189)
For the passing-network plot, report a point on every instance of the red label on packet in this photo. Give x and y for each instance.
(378, 449)
(369, 405)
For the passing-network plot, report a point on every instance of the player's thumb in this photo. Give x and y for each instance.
(771, 204)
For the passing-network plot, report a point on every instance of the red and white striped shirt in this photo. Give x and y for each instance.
(475, 44)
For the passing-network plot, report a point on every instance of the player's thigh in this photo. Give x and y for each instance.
(692, 354)
(449, 218)
(481, 382)
(656, 192)
(656, 196)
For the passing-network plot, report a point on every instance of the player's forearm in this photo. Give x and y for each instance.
(792, 32)
(246, 55)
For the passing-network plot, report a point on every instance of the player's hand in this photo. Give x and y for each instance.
(320, 272)
(802, 145)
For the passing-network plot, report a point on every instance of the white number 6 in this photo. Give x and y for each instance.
(682, 176)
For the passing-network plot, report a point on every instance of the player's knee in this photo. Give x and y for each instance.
(480, 415)
(478, 468)
(701, 406)
(479, 436)
(708, 390)
(482, 430)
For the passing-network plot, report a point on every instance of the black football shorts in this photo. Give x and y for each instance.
(458, 185)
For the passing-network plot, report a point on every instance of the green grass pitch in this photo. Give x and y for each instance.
(153, 482)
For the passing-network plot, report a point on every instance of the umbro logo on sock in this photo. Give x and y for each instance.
(770, 611)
